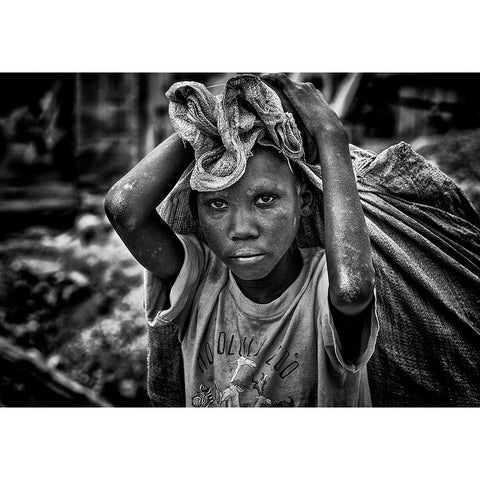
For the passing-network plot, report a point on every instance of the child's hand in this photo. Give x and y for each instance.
(309, 105)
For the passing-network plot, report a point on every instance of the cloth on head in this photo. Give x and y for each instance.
(224, 129)
(425, 238)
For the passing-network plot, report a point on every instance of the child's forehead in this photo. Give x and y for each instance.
(266, 169)
(267, 166)
(255, 181)
(252, 186)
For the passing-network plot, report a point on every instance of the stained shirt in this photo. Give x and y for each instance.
(238, 353)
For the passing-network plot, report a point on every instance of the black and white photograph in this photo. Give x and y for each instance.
(263, 239)
(261, 204)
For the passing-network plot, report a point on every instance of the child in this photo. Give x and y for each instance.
(261, 322)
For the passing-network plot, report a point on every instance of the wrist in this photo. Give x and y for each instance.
(331, 137)
(332, 131)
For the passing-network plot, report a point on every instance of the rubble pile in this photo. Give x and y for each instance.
(75, 300)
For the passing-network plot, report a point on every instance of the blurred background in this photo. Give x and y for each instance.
(72, 329)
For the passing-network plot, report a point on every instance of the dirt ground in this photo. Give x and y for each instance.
(74, 300)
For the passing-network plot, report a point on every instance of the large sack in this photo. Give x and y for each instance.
(426, 251)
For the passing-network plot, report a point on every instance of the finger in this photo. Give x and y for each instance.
(280, 79)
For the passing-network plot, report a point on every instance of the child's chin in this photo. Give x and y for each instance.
(250, 274)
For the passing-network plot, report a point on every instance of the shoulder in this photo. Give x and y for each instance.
(209, 271)
(315, 282)
(199, 252)
(200, 279)
(314, 275)
(314, 260)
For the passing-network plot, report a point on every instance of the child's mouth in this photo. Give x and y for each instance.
(247, 258)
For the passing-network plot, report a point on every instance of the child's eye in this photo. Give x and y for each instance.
(217, 204)
(265, 200)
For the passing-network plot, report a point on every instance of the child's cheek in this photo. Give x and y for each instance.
(215, 232)
(284, 227)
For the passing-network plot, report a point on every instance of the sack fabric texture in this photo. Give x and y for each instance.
(425, 237)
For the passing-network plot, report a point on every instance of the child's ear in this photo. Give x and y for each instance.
(307, 200)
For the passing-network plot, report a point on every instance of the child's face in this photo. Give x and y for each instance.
(251, 225)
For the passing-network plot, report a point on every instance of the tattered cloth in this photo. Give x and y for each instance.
(224, 129)
(425, 237)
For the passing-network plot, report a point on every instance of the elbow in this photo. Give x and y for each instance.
(118, 210)
(353, 293)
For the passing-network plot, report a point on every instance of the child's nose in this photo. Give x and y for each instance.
(243, 225)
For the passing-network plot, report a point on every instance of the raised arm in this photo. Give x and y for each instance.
(347, 243)
(131, 208)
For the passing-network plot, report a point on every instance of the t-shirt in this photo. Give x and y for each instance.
(240, 353)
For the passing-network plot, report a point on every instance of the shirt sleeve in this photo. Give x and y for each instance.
(165, 304)
(332, 341)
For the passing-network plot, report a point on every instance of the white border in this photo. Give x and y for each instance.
(252, 35)
(275, 444)
(378, 36)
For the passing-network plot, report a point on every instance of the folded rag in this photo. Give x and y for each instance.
(223, 130)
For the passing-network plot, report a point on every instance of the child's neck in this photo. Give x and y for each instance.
(267, 289)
